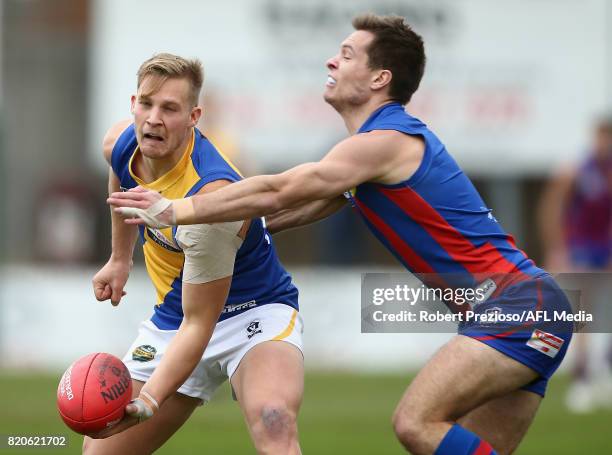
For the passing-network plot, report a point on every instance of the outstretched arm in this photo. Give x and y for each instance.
(109, 281)
(308, 213)
(358, 159)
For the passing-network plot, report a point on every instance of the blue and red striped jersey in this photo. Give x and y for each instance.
(435, 222)
(588, 218)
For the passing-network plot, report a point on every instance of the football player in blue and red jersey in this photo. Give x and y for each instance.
(480, 392)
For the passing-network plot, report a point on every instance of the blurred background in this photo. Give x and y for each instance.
(520, 91)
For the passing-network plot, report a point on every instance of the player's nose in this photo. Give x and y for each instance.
(154, 116)
(332, 63)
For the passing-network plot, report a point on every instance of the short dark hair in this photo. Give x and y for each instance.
(397, 48)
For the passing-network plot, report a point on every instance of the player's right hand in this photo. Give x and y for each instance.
(109, 282)
(137, 411)
(140, 409)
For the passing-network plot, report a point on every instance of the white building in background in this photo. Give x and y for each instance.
(511, 86)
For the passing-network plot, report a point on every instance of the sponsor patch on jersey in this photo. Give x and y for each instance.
(160, 239)
(144, 353)
(545, 342)
(253, 329)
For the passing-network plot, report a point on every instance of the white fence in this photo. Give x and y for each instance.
(49, 317)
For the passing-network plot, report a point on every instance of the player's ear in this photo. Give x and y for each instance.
(132, 104)
(196, 113)
(381, 78)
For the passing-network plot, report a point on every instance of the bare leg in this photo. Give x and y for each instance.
(269, 384)
(462, 375)
(503, 421)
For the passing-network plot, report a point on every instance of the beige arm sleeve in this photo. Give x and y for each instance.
(210, 250)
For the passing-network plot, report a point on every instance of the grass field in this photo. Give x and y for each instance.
(342, 414)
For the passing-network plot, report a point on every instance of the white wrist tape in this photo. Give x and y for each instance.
(150, 215)
(149, 397)
(143, 411)
(210, 250)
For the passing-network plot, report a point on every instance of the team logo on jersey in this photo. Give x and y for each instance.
(490, 214)
(253, 329)
(545, 342)
(144, 353)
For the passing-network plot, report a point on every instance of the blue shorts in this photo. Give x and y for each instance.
(528, 326)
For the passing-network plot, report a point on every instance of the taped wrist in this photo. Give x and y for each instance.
(143, 411)
(150, 399)
(151, 215)
(210, 250)
(145, 406)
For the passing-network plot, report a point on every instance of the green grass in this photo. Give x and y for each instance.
(341, 414)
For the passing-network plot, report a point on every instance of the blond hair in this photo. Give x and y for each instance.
(164, 66)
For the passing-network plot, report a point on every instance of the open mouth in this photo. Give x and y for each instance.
(330, 81)
(153, 136)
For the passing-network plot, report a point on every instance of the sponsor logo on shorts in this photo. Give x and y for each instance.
(144, 353)
(482, 292)
(253, 329)
(545, 342)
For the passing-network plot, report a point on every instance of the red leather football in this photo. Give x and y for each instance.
(93, 393)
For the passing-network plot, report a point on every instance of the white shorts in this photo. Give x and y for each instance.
(231, 340)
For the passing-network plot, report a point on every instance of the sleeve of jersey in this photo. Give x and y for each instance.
(210, 250)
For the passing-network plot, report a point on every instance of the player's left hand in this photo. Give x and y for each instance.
(142, 206)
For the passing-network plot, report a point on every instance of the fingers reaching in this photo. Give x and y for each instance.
(135, 200)
(137, 189)
(134, 221)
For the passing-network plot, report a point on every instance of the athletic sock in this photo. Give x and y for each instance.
(459, 441)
